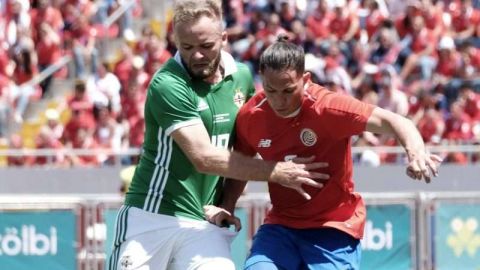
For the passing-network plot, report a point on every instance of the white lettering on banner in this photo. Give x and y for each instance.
(28, 242)
(221, 140)
(376, 238)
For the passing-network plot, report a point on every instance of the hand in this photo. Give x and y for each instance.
(293, 174)
(221, 217)
(423, 167)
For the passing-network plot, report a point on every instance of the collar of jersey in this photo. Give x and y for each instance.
(228, 63)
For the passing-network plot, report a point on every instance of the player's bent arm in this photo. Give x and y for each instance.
(382, 121)
(232, 190)
(224, 214)
(195, 143)
(386, 122)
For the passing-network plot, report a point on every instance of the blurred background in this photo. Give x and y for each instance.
(73, 79)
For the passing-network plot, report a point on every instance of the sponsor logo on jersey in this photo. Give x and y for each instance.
(221, 118)
(308, 137)
(202, 105)
(264, 143)
(238, 98)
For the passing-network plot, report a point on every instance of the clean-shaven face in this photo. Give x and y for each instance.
(199, 44)
(284, 90)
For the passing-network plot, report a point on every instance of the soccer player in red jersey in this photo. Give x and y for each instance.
(292, 118)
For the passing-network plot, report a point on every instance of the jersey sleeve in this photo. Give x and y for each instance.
(242, 143)
(172, 104)
(346, 114)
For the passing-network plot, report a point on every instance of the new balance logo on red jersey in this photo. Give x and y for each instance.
(264, 143)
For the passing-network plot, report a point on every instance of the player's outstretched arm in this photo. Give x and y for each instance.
(421, 165)
(195, 143)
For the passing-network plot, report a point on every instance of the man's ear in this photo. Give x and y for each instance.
(306, 77)
(224, 39)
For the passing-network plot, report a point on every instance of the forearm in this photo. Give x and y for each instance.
(386, 122)
(409, 137)
(232, 191)
(235, 165)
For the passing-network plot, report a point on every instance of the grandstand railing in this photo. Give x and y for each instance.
(117, 154)
(118, 13)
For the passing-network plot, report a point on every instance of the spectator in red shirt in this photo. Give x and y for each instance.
(471, 102)
(48, 51)
(317, 25)
(464, 20)
(16, 143)
(449, 61)
(83, 45)
(404, 23)
(428, 119)
(78, 120)
(45, 140)
(374, 19)
(421, 50)
(132, 103)
(80, 100)
(25, 70)
(344, 25)
(433, 15)
(157, 54)
(459, 124)
(123, 67)
(83, 140)
(45, 13)
(263, 38)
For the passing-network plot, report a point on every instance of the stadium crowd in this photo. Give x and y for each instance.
(418, 58)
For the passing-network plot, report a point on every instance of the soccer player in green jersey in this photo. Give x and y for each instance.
(190, 111)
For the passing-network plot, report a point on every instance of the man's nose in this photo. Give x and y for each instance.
(198, 54)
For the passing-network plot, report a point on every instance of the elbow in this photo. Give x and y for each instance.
(200, 164)
(203, 164)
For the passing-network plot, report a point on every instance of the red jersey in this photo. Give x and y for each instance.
(322, 128)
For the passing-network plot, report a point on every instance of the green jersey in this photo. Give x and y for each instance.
(165, 181)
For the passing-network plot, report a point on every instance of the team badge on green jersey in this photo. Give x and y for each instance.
(239, 98)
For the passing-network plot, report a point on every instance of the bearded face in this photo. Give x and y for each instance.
(199, 44)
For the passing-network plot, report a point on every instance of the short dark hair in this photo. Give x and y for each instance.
(283, 55)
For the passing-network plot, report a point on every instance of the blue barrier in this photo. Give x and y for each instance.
(38, 239)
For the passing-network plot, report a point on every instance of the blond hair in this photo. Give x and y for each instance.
(191, 10)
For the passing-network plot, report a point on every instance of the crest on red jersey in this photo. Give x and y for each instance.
(308, 137)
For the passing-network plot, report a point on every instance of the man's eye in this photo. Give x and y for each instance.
(207, 46)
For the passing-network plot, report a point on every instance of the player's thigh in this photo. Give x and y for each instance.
(208, 249)
(273, 248)
(143, 241)
(329, 249)
(147, 251)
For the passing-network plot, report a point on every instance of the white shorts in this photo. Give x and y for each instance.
(149, 241)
